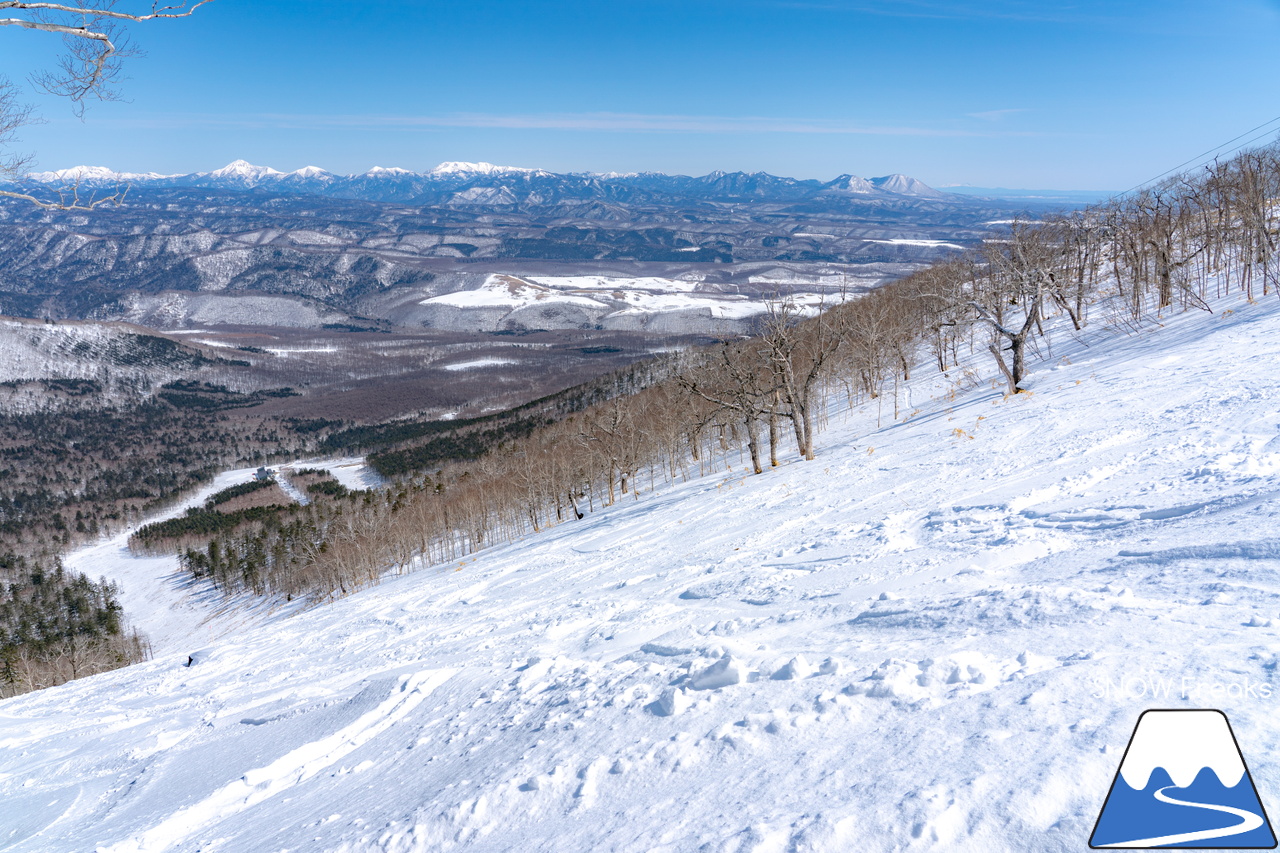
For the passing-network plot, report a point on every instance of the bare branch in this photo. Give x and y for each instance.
(95, 45)
(180, 10)
(70, 198)
(13, 115)
(93, 41)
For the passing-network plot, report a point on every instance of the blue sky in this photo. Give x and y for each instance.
(1065, 95)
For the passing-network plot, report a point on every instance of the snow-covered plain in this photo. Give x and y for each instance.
(903, 241)
(936, 636)
(475, 363)
(611, 303)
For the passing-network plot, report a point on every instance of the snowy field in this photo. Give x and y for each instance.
(612, 302)
(936, 636)
(476, 363)
(598, 282)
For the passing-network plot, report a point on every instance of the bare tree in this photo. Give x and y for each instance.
(799, 355)
(95, 42)
(737, 379)
(1010, 296)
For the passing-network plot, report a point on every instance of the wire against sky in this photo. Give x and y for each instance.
(1215, 151)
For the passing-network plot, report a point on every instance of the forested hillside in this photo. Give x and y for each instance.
(1172, 247)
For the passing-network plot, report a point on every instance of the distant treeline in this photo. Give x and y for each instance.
(199, 522)
(516, 421)
(204, 396)
(457, 446)
(70, 475)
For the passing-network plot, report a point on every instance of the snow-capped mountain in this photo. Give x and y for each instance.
(241, 173)
(359, 241)
(96, 175)
(903, 185)
(454, 167)
(311, 172)
(485, 184)
(852, 184)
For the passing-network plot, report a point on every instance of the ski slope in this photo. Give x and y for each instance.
(162, 601)
(936, 636)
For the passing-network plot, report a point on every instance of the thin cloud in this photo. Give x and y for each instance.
(994, 115)
(1012, 10)
(579, 122)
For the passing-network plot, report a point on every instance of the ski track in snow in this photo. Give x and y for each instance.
(930, 638)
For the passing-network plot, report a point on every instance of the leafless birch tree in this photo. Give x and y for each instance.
(95, 42)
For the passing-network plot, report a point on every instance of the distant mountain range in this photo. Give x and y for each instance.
(468, 247)
(484, 184)
(1068, 198)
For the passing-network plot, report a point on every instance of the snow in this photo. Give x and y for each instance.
(92, 175)
(485, 195)
(854, 184)
(478, 362)
(310, 172)
(244, 170)
(905, 185)
(350, 471)
(505, 291)
(729, 307)
(905, 241)
(288, 351)
(610, 283)
(996, 588)
(454, 167)
(610, 297)
(159, 600)
(156, 598)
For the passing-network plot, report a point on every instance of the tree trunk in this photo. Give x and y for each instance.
(753, 445)
(773, 436)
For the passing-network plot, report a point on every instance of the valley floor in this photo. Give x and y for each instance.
(936, 636)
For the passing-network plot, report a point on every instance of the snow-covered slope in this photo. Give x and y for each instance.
(904, 185)
(936, 636)
(162, 602)
(455, 167)
(852, 184)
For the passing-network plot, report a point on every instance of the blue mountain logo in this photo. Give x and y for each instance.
(1183, 783)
